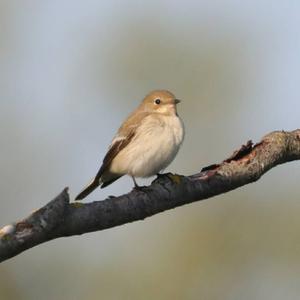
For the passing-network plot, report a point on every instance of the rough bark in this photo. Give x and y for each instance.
(61, 218)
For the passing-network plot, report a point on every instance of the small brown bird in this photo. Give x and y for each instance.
(145, 144)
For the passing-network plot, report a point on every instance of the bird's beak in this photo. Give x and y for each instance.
(176, 101)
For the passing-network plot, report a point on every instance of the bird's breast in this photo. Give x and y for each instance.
(154, 146)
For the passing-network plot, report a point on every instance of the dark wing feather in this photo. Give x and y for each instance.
(127, 130)
(115, 148)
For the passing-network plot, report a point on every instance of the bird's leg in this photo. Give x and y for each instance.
(135, 184)
(138, 187)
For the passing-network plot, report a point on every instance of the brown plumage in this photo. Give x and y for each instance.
(127, 133)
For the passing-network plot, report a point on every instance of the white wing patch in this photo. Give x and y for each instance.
(117, 138)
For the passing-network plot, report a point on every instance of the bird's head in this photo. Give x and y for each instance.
(160, 101)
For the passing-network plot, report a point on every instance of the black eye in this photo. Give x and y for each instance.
(157, 101)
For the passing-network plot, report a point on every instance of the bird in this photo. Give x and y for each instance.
(146, 143)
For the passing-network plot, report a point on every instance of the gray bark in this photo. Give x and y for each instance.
(60, 217)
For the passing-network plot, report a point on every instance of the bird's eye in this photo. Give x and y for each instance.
(157, 101)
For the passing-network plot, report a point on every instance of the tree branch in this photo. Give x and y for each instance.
(61, 218)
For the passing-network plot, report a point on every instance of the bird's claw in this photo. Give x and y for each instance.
(139, 188)
(175, 178)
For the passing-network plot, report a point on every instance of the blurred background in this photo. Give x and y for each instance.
(71, 71)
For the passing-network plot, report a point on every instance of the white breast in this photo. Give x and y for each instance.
(153, 148)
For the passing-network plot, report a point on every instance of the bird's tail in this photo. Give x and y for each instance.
(87, 190)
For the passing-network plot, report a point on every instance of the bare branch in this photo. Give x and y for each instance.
(61, 218)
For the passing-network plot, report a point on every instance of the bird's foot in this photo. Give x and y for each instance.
(161, 175)
(140, 188)
(175, 178)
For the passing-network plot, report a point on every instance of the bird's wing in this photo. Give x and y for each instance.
(124, 136)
